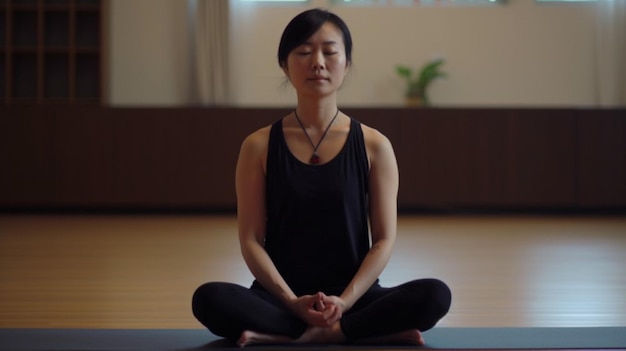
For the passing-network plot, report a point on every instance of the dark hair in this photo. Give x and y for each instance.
(304, 25)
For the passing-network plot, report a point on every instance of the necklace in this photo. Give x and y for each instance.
(315, 158)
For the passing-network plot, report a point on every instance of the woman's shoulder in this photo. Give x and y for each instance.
(256, 142)
(374, 139)
(258, 136)
(261, 136)
(379, 151)
(254, 148)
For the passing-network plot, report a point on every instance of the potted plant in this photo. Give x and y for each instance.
(417, 83)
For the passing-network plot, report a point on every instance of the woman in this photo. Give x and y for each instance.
(312, 190)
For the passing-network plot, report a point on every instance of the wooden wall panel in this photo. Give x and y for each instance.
(81, 157)
(131, 158)
(445, 160)
(539, 163)
(458, 158)
(601, 158)
(26, 156)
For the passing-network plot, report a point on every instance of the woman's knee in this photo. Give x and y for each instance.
(205, 298)
(441, 296)
(209, 306)
(431, 299)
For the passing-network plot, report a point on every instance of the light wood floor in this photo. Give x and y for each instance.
(140, 271)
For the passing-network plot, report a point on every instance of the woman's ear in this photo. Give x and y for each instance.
(283, 65)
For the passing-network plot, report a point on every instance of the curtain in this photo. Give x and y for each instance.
(611, 53)
(211, 37)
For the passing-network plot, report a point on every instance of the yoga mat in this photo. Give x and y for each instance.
(197, 339)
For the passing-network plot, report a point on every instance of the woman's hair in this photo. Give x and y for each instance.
(304, 25)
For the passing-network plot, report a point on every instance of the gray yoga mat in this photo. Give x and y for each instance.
(197, 339)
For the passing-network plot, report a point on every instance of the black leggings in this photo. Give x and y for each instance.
(228, 309)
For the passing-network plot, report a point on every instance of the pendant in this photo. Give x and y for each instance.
(315, 159)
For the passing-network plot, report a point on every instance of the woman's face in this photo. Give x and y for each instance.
(318, 66)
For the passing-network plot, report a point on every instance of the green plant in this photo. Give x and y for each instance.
(418, 82)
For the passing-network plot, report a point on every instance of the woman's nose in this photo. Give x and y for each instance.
(318, 61)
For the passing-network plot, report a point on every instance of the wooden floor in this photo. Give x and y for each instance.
(108, 271)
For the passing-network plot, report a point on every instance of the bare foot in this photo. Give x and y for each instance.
(408, 337)
(249, 337)
(330, 335)
(320, 335)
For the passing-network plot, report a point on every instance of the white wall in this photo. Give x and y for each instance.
(519, 54)
(148, 53)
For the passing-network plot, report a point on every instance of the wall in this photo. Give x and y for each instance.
(89, 157)
(149, 53)
(519, 54)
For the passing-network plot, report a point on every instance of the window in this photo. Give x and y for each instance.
(270, 3)
(276, 1)
(566, 0)
(386, 2)
(414, 2)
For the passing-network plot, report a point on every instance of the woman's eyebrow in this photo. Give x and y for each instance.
(328, 42)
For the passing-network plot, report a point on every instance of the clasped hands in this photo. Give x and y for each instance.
(319, 310)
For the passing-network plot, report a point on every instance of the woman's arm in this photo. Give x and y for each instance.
(250, 188)
(383, 192)
(251, 215)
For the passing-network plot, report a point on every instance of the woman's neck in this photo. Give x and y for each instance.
(316, 113)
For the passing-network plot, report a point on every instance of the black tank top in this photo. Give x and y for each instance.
(317, 230)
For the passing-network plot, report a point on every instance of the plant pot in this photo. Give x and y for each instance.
(413, 101)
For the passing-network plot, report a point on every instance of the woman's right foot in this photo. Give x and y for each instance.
(249, 337)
